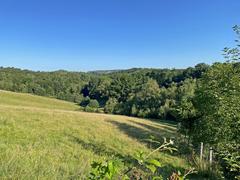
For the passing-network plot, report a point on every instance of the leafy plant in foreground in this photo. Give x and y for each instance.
(145, 168)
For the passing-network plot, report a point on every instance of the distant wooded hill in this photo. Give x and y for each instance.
(142, 92)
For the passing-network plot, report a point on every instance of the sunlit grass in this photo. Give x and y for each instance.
(20, 99)
(47, 138)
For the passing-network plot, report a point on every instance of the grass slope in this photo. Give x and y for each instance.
(48, 139)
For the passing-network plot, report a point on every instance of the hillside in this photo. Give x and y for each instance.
(47, 138)
(27, 100)
(137, 92)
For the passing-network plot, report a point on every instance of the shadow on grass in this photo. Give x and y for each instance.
(101, 149)
(163, 122)
(169, 131)
(138, 133)
(144, 132)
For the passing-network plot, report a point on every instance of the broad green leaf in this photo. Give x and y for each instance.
(154, 162)
(152, 168)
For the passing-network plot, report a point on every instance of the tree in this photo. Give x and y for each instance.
(110, 105)
(147, 101)
(185, 111)
(217, 101)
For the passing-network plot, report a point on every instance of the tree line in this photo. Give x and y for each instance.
(148, 93)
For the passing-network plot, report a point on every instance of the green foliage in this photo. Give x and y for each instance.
(150, 93)
(104, 170)
(182, 176)
(85, 101)
(230, 160)
(60, 84)
(218, 96)
(217, 102)
(146, 101)
(233, 54)
(209, 110)
(93, 103)
(110, 105)
(185, 111)
(146, 167)
(89, 109)
(205, 169)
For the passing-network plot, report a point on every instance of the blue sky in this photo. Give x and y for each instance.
(82, 35)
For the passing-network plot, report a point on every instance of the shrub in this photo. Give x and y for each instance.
(110, 105)
(85, 101)
(93, 103)
(90, 109)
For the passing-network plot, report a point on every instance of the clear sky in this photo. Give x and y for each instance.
(84, 35)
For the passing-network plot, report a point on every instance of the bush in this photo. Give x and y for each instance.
(85, 101)
(100, 110)
(93, 103)
(78, 98)
(90, 109)
(110, 105)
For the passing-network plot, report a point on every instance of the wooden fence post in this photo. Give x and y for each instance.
(211, 155)
(201, 152)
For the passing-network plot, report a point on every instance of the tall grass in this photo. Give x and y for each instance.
(43, 138)
(205, 169)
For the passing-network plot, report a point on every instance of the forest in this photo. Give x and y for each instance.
(148, 93)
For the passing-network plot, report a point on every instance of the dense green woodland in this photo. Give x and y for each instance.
(204, 99)
(150, 93)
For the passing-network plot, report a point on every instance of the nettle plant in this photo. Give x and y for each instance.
(145, 166)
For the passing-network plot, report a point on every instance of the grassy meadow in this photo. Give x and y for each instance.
(44, 138)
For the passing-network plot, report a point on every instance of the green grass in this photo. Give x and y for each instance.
(44, 138)
(27, 100)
